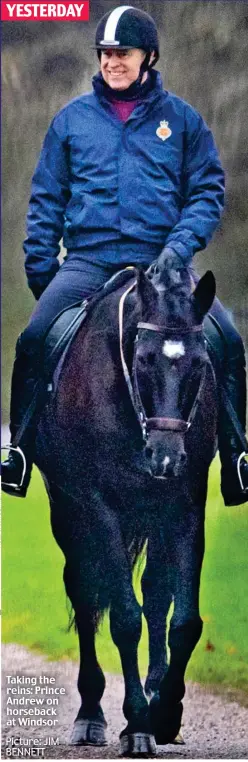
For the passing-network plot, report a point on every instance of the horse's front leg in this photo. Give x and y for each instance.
(81, 578)
(157, 598)
(125, 624)
(185, 550)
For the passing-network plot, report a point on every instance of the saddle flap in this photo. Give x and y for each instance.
(64, 327)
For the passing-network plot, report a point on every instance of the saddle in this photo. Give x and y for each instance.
(57, 341)
(65, 326)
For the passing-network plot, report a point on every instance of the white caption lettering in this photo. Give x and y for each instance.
(11, 9)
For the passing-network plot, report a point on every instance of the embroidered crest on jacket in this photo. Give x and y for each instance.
(163, 131)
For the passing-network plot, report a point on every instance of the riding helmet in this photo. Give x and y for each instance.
(127, 27)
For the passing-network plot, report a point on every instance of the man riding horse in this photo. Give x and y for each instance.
(126, 171)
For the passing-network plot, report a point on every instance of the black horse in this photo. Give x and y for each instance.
(124, 445)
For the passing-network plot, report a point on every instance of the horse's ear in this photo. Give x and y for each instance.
(145, 287)
(204, 294)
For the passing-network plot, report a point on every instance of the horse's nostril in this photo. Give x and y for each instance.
(149, 452)
(183, 458)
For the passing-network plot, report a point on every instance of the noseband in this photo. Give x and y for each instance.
(160, 423)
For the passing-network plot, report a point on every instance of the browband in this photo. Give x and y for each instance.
(172, 329)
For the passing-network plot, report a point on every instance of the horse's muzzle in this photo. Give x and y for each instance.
(165, 461)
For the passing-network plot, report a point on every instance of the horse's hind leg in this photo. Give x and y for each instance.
(157, 598)
(185, 547)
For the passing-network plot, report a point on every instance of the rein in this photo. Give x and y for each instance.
(123, 361)
(159, 423)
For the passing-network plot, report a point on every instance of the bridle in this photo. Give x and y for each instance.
(164, 424)
(159, 423)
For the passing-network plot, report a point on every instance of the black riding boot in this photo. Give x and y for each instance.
(16, 470)
(234, 468)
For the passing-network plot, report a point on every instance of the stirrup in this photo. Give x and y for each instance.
(243, 455)
(21, 453)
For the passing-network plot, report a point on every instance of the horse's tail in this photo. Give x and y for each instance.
(136, 552)
(97, 616)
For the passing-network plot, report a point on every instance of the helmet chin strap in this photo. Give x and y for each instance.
(143, 69)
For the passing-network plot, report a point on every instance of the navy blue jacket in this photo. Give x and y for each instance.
(99, 180)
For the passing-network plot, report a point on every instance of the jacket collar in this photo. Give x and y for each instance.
(151, 88)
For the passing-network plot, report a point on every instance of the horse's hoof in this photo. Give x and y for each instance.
(179, 740)
(138, 745)
(88, 733)
(165, 721)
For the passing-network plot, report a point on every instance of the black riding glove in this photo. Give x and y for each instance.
(169, 259)
(168, 262)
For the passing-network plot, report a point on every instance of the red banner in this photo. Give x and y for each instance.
(45, 11)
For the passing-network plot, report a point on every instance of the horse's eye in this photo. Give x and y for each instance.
(148, 452)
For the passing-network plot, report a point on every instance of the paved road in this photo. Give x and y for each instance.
(5, 435)
(214, 727)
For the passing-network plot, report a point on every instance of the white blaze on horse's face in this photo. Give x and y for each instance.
(173, 349)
